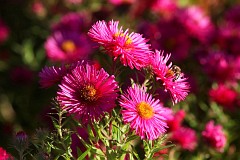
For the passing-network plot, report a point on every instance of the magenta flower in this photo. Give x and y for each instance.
(72, 21)
(4, 155)
(175, 120)
(145, 114)
(233, 14)
(197, 22)
(51, 75)
(170, 76)
(165, 34)
(67, 46)
(214, 136)
(185, 137)
(229, 37)
(165, 7)
(221, 67)
(131, 48)
(230, 96)
(4, 31)
(87, 93)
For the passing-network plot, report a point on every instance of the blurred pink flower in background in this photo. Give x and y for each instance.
(174, 122)
(224, 96)
(196, 22)
(165, 35)
(4, 32)
(132, 48)
(4, 155)
(164, 7)
(185, 137)
(229, 37)
(232, 15)
(72, 21)
(67, 46)
(221, 67)
(214, 136)
(38, 8)
(145, 114)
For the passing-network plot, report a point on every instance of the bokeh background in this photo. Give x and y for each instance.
(202, 36)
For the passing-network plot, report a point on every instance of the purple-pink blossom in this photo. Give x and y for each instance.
(185, 137)
(87, 93)
(131, 48)
(214, 136)
(146, 115)
(170, 76)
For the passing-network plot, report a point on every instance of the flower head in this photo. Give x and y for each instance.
(185, 137)
(72, 21)
(145, 114)
(4, 31)
(131, 48)
(197, 22)
(175, 120)
(171, 77)
(230, 96)
(67, 46)
(221, 67)
(214, 136)
(4, 155)
(87, 92)
(51, 75)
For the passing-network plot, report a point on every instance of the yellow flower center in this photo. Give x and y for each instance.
(145, 110)
(68, 46)
(128, 39)
(88, 93)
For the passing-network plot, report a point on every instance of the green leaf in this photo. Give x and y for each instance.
(163, 147)
(84, 154)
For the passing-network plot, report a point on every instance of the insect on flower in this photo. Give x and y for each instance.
(176, 72)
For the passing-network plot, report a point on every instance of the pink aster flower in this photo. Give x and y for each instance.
(166, 7)
(66, 46)
(51, 75)
(145, 114)
(131, 48)
(171, 77)
(87, 93)
(165, 34)
(185, 137)
(4, 31)
(230, 96)
(214, 136)
(197, 22)
(4, 155)
(72, 21)
(229, 37)
(38, 8)
(221, 67)
(175, 120)
(233, 14)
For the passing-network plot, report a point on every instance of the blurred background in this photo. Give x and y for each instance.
(203, 38)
